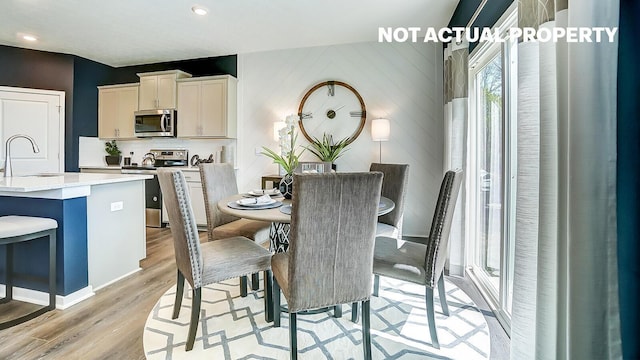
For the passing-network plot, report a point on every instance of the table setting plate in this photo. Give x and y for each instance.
(259, 192)
(273, 205)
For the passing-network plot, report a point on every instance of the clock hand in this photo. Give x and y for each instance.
(338, 108)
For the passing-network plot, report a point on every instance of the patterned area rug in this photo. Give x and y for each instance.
(234, 327)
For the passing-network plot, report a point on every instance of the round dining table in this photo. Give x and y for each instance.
(279, 216)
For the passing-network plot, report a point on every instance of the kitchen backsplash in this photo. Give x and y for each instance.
(91, 149)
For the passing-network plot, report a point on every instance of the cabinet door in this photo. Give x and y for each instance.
(107, 113)
(127, 105)
(197, 202)
(189, 109)
(148, 93)
(167, 91)
(213, 108)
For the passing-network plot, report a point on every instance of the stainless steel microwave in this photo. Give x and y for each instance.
(155, 123)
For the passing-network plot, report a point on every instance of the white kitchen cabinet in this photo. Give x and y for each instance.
(197, 198)
(207, 107)
(158, 89)
(116, 105)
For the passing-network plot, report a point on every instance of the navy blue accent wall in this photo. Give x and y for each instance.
(221, 65)
(32, 258)
(79, 78)
(86, 74)
(40, 70)
(490, 13)
(628, 177)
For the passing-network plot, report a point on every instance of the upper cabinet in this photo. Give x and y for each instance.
(207, 107)
(116, 105)
(158, 89)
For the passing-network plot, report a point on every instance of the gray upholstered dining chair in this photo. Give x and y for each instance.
(330, 254)
(210, 262)
(394, 187)
(422, 263)
(219, 182)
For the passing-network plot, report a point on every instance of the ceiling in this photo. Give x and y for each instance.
(132, 32)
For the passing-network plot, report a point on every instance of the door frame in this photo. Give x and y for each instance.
(61, 115)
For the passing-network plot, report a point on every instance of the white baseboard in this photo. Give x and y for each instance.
(116, 279)
(457, 270)
(42, 298)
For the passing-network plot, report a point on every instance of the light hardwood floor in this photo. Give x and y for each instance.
(109, 325)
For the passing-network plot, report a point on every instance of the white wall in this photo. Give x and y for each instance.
(401, 82)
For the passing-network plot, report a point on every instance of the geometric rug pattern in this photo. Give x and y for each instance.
(232, 327)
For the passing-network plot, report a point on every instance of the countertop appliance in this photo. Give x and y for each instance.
(153, 195)
(155, 123)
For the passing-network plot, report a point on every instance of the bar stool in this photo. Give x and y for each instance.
(15, 229)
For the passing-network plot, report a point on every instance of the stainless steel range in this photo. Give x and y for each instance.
(153, 196)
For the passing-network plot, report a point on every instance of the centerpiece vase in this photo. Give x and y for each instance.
(286, 186)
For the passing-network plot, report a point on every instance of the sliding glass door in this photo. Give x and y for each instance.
(491, 175)
(490, 169)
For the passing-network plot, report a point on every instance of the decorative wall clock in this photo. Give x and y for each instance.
(334, 108)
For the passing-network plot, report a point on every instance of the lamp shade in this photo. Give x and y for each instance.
(380, 129)
(276, 129)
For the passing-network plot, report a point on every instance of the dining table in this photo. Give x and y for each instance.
(279, 215)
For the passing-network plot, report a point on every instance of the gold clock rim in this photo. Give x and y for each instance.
(363, 117)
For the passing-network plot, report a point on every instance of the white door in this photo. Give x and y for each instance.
(39, 114)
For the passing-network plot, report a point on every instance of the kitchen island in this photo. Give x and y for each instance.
(101, 231)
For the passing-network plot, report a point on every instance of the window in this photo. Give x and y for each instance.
(492, 169)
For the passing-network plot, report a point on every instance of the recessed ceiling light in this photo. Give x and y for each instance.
(29, 37)
(199, 10)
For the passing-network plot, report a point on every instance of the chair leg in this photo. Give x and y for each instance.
(276, 303)
(293, 339)
(268, 297)
(52, 270)
(195, 318)
(255, 281)
(179, 292)
(443, 295)
(337, 311)
(243, 286)
(8, 289)
(431, 318)
(354, 312)
(376, 284)
(366, 329)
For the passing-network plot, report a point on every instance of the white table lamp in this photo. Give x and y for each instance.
(380, 131)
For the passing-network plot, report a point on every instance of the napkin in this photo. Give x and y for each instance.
(264, 199)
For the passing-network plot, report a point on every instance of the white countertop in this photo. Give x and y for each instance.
(22, 184)
(183, 168)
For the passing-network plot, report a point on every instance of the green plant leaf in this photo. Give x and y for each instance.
(111, 147)
(326, 149)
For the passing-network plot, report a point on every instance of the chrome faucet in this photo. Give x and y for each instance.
(7, 152)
